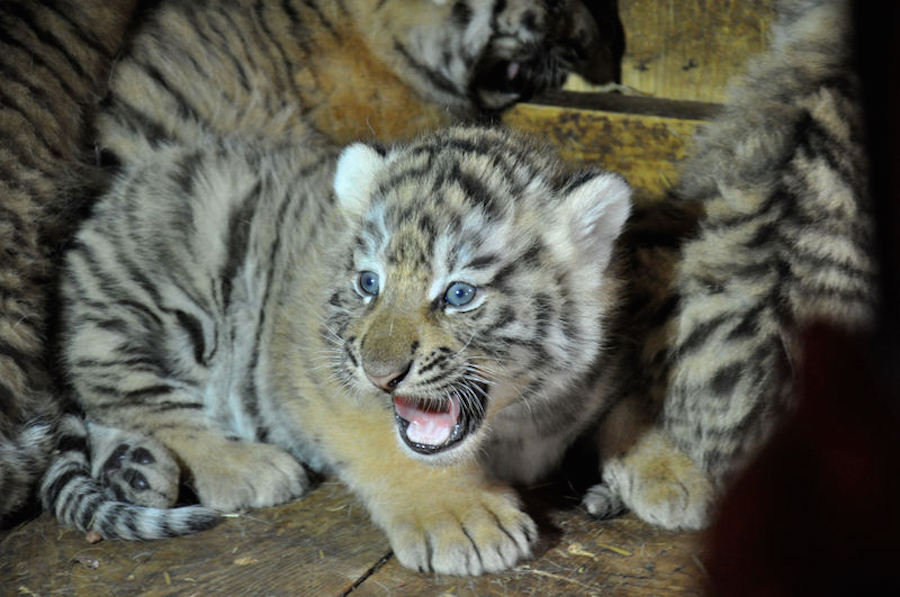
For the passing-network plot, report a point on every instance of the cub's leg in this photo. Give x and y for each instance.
(646, 473)
(444, 519)
(133, 467)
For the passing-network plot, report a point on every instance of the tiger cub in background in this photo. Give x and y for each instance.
(447, 296)
(198, 70)
(349, 70)
(786, 241)
(54, 58)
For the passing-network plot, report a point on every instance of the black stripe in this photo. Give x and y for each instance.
(130, 116)
(482, 262)
(185, 174)
(504, 318)
(186, 110)
(476, 191)
(726, 378)
(194, 329)
(51, 495)
(84, 35)
(461, 14)
(321, 16)
(88, 510)
(499, 279)
(240, 223)
(298, 27)
(437, 79)
(72, 443)
(144, 394)
(166, 406)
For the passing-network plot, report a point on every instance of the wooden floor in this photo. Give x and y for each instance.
(324, 544)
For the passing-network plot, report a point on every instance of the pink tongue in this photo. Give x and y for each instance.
(427, 427)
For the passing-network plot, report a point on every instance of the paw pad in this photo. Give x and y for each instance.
(134, 474)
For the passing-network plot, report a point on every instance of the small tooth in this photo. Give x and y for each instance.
(512, 69)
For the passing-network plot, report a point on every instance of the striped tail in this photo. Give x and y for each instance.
(78, 501)
(23, 459)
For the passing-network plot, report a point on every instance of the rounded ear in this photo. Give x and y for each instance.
(596, 206)
(354, 176)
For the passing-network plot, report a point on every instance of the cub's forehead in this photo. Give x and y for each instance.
(447, 178)
(453, 197)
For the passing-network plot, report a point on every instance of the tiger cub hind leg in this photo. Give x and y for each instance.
(656, 481)
(133, 467)
(231, 474)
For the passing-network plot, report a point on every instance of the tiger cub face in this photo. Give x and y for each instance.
(474, 282)
(481, 54)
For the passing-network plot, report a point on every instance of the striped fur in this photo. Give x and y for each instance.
(350, 70)
(76, 499)
(223, 301)
(54, 57)
(786, 241)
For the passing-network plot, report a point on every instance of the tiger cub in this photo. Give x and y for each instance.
(203, 70)
(448, 298)
(54, 58)
(786, 240)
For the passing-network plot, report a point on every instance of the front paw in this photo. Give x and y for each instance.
(463, 534)
(656, 481)
(603, 502)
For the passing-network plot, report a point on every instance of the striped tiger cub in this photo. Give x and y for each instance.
(397, 318)
(54, 58)
(350, 69)
(786, 240)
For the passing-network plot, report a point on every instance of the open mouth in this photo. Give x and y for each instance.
(507, 76)
(499, 81)
(429, 427)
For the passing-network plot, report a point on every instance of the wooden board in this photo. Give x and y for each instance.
(587, 557)
(690, 50)
(319, 545)
(640, 138)
(324, 544)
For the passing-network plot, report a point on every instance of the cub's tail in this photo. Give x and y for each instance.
(23, 458)
(77, 500)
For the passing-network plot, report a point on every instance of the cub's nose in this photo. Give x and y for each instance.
(387, 381)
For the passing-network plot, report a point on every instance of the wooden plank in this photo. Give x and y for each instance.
(583, 557)
(324, 544)
(645, 148)
(690, 50)
(319, 545)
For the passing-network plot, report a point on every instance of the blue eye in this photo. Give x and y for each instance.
(368, 283)
(459, 294)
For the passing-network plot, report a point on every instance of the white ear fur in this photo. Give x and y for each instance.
(356, 169)
(596, 211)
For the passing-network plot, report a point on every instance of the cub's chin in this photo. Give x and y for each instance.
(438, 431)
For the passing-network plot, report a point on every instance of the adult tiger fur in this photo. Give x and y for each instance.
(786, 240)
(343, 68)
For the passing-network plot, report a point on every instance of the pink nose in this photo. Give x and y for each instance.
(388, 381)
